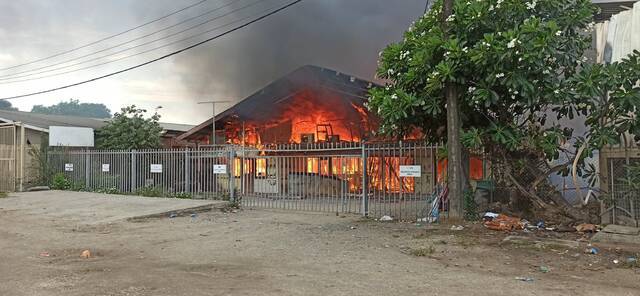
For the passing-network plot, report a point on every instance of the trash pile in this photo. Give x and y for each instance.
(502, 222)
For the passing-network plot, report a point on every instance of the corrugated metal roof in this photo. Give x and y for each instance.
(176, 126)
(44, 121)
(611, 7)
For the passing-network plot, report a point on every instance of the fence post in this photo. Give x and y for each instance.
(232, 178)
(87, 169)
(133, 170)
(22, 154)
(187, 170)
(365, 196)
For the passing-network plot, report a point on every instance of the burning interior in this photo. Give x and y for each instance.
(310, 105)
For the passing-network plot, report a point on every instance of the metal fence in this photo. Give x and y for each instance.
(166, 172)
(395, 179)
(621, 204)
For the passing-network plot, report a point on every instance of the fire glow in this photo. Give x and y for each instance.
(318, 116)
(309, 116)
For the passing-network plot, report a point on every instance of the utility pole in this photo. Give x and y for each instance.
(454, 147)
(427, 6)
(213, 118)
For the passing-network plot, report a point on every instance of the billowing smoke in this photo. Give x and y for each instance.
(341, 35)
(344, 35)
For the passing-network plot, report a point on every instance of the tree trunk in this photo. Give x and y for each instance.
(455, 172)
(454, 147)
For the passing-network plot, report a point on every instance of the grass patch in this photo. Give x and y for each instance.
(423, 251)
(3, 194)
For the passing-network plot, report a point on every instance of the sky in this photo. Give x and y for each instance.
(343, 35)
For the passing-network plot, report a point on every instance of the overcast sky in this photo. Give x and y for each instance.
(344, 35)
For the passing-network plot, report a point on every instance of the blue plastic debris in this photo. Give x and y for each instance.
(592, 250)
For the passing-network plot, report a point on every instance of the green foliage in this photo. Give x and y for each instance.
(150, 191)
(182, 195)
(6, 105)
(108, 190)
(516, 66)
(3, 194)
(129, 129)
(40, 165)
(74, 108)
(153, 191)
(470, 207)
(60, 182)
(632, 177)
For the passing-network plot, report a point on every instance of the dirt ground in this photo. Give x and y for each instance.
(260, 252)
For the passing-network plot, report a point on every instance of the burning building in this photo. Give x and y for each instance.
(300, 136)
(309, 105)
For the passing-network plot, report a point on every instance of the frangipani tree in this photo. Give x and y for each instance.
(516, 67)
(130, 129)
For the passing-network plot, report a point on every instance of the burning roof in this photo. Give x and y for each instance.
(309, 104)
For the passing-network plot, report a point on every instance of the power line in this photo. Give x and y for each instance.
(12, 76)
(106, 38)
(132, 55)
(159, 58)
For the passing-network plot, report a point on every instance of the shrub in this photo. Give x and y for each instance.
(150, 191)
(470, 207)
(182, 195)
(60, 182)
(108, 190)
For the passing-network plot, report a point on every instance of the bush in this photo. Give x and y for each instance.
(109, 190)
(470, 207)
(182, 195)
(60, 182)
(150, 191)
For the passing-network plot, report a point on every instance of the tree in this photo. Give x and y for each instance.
(6, 105)
(454, 164)
(74, 108)
(129, 129)
(518, 68)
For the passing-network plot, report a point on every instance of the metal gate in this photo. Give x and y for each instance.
(315, 178)
(8, 152)
(623, 203)
(340, 178)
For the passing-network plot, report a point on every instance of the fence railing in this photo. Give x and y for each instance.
(8, 157)
(395, 179)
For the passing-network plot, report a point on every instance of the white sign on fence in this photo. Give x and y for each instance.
(68, 167)
(105, 167)
(219, 169)
(156, 168)
(410, 171)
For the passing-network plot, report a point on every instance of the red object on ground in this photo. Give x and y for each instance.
(504, 223)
